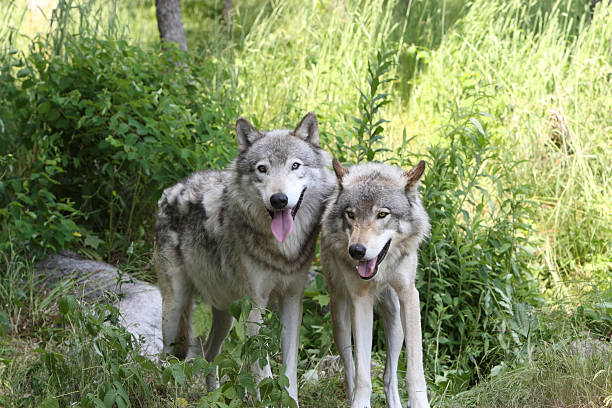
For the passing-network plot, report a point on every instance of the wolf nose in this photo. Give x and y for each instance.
(279, 200)
(357, 251)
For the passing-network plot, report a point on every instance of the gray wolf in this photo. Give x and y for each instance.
(370, 234)
(248, 230)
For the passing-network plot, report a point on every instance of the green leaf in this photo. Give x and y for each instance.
(166, 375)
(67, 304)
(131, 139)
(92, 241)
(110, 397)
(5, 322)
(478, 126)
(322, 299)
(178, 374)
(44, 107)
(235, 309)
(53, 115)
(24, 72)
(50, 402)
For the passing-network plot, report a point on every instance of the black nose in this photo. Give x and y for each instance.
(279, 200)
(357, 251)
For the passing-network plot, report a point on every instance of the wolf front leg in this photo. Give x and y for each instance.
(290, 308)
(341, 324)
(362, 312)
(390, 307)
(411, 322)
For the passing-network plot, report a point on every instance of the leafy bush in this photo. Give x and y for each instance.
(368, 130)
(240, 353)
(476, 291)
(106, 127)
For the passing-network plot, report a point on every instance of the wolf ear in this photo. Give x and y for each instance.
(246, 134)
(340, 171)
(413, 175)
(308, 129)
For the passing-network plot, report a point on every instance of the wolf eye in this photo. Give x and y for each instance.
(382, 214)
(261, 169)
(295, 166)
(350, 214)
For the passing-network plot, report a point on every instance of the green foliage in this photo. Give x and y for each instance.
(548, 61)
(369, 130)
(475, 287)
(80, 341)
(241, 352)
(75, 346)
(106, 126)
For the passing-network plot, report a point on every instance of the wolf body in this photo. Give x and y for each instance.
(248, 230)
(371, 231)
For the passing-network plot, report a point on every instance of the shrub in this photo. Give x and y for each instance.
(106, 126)
(476, 290)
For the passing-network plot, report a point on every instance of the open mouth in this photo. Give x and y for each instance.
(282, 220)
(367, 269)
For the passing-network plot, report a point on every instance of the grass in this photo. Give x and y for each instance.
(554, 378)
(548, 82)
(546, 67)
(43, 339)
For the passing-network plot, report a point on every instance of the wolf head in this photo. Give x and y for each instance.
(280, 168)
(377, 208)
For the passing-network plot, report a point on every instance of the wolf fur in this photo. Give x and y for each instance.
(376, 213)
(216, 239)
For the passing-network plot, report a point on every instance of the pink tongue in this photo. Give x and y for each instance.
(282, 224)
(366, 268)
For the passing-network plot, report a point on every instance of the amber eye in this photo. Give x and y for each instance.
(295, 166)
(382, 214)
(261, 169)
(350, 214)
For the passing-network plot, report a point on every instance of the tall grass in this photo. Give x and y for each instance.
(551, 69)
(310, 56)
(554, 378)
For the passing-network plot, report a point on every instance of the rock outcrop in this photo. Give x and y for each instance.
(140, 302)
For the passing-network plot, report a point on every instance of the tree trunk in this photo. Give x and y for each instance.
(170, 23)
(228, 9)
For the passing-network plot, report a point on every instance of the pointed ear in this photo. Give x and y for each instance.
(308, 129)
(246, 134)
(340, 171)
(413, 176)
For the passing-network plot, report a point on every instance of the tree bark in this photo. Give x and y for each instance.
(170, 23)
(228, 9)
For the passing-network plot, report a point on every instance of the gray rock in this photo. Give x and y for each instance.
(590, 347)
(140, 304)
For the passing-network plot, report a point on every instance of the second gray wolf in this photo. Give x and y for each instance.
(248, 230)
(371, 231)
